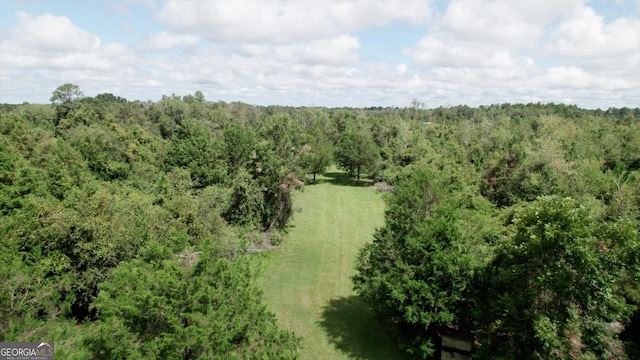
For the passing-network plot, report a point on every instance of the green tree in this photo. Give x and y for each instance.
(552, 292)
(195, 148)
(102, 149)
(275, 167)
(64, 97)
(40, 115)
(190, 306)
(356, 151)
(418, 271)
(317, 154)
(239, 144)
(66, 94)
(246, 203)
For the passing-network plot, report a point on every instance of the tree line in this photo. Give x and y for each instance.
(128, 226)
(518, 224)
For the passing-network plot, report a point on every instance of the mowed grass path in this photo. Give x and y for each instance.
(307, 284)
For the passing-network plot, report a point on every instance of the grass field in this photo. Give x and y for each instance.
(307, 284)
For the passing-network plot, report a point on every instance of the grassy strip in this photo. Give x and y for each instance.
(308, 284)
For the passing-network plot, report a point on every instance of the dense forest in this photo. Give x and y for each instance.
(132, 229)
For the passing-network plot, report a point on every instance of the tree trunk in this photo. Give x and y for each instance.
(358, 174)
(314, 178)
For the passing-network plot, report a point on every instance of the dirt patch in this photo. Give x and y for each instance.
(264, 241)
(383, 186)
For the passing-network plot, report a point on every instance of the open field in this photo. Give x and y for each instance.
(308, 284)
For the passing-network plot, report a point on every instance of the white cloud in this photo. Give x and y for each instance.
(334, 51)
(518, 24)
(53, 42)
(269, 21)
(401, 69)
(436, 52)
(337, 51)
(561, 77)
(586, 35)
(496, 49)
(52, 34)
(488, 34)
(587, 40)
(164, 41)
(315, 53)
(43, 51)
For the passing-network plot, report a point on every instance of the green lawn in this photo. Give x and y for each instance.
(307, 284)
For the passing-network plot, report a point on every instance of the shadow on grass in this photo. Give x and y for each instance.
(352, 328)
(339, 178)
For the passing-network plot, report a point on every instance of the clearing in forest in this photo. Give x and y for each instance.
(307, 284)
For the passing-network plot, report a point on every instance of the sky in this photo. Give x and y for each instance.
(330, 53)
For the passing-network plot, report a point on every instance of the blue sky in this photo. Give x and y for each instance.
(326, 53)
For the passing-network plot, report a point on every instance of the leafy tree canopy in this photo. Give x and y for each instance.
(552, 291)
(356, 151)
(190, 306)
(100, 197)
(66, 93)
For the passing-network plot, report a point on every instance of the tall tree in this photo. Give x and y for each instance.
(195, 148)
(356, 152)
(275, 166)
(552, 292)
(66, 93)
(316, 153)
(239, 142)
(64, 97)
(418, 271)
